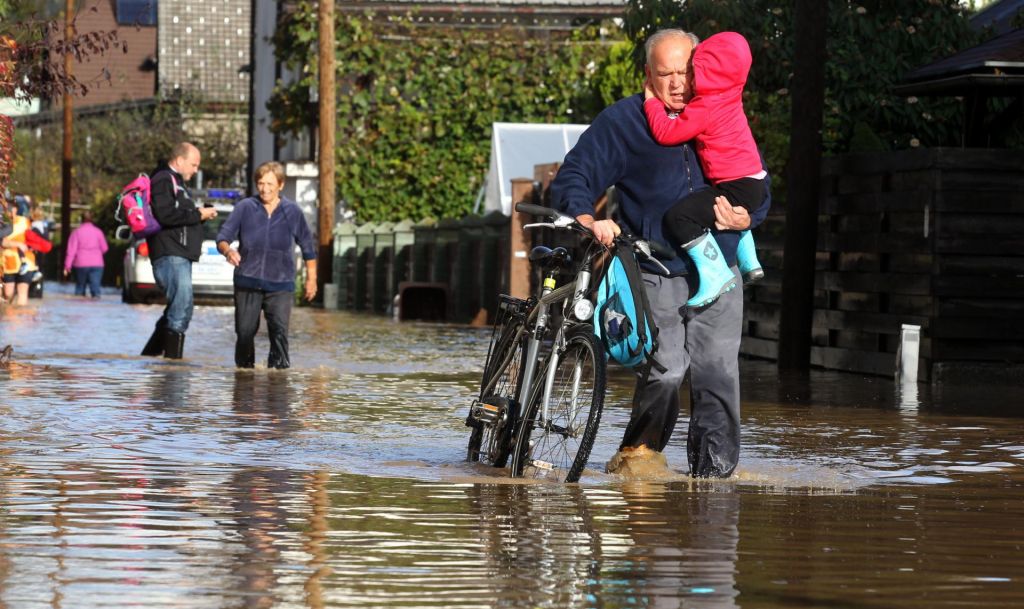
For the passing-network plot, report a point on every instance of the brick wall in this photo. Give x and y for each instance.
(203, 44)
(129, 79)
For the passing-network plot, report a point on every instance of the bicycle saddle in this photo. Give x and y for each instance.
(550, 258)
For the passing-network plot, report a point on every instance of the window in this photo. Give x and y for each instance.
(136, 12)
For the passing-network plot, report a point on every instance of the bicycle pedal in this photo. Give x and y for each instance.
(542, 464)
(491, 410)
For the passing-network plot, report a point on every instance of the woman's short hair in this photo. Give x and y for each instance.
(269, 167)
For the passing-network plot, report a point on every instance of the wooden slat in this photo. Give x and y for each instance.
(954, 224)
(761, 312)
(873, 202)
(966, 201)
(756, 347)
(867, 242)
(854, 361)
(1011, 329)
(981, 351)
(977, 307)
(894, 283)
(907, 161)
(983, 181)
(857, 301)
(988, 266)
(879, 323)
(854, 340)
(969, 285)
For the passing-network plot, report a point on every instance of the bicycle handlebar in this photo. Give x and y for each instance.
(648, 249)
(537, 210)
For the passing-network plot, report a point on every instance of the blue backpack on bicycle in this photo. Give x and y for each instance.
(622, 320)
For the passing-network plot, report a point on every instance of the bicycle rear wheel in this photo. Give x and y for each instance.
(491, 442)
(556, 447)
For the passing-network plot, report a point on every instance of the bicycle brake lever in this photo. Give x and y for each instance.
(540, 224)
(564, 221)
(644, 248)
(661, 266)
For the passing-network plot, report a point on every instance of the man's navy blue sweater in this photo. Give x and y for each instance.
(618, 150)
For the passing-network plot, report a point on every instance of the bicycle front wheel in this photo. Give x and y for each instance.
(554, 443)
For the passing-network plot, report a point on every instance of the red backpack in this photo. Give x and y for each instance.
(134, 201)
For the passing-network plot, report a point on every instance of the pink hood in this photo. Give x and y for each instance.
(721, 64)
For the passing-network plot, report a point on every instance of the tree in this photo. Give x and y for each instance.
(32, 65)
(416, 104)
(35, 50)
(871, 44)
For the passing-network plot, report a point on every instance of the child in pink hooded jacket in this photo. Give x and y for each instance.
(714, 118)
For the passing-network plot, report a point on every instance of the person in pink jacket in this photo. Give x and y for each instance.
(714, 118)
(86, 247)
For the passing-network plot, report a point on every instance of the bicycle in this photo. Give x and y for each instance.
(543, 385)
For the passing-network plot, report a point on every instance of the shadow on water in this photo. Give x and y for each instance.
(341, 482)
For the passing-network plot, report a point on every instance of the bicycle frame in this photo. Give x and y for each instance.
(550, 295)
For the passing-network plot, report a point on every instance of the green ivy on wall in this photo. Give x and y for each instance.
(416, 104)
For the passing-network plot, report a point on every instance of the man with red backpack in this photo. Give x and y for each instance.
(175, 247)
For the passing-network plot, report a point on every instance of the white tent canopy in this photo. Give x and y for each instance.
(516, 148)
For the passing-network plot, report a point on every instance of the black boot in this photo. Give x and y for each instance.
(174, 344)
(155, 345)
(278, 357)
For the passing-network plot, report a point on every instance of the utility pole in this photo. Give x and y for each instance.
(325, 139)
(803, 184)
(65, 167)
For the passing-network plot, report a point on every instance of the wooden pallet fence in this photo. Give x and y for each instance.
(929, 237)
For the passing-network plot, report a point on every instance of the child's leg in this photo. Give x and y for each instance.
(691, 216)
(746, 258)
(687, 223)
(747, 193)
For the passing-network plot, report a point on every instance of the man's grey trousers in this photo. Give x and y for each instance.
(706, 341)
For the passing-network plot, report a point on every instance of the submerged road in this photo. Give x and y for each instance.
(131, 481)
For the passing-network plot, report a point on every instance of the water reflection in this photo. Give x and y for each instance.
(683, 545)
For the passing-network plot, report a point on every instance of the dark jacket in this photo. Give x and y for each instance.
(181, 232)
(267, 244)
(618, 150)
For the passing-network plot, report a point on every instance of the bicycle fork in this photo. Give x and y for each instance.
(558, 347)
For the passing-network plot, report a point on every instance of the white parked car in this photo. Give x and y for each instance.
(212, 276)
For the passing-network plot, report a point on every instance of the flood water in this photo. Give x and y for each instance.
(135, 482)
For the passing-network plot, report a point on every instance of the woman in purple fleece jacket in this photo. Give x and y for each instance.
(86, 247)
(267, 229)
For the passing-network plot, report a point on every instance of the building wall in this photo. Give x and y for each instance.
(202, 46)
(130, 77)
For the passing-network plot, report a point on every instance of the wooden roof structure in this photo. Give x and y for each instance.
(992, 69)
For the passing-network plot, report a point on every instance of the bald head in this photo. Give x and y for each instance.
(668, 67)
(668, 34)
(185, 160)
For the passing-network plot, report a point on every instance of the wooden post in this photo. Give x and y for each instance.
(519, 242)
(65, 166)
(325, 137)
(803, 182)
